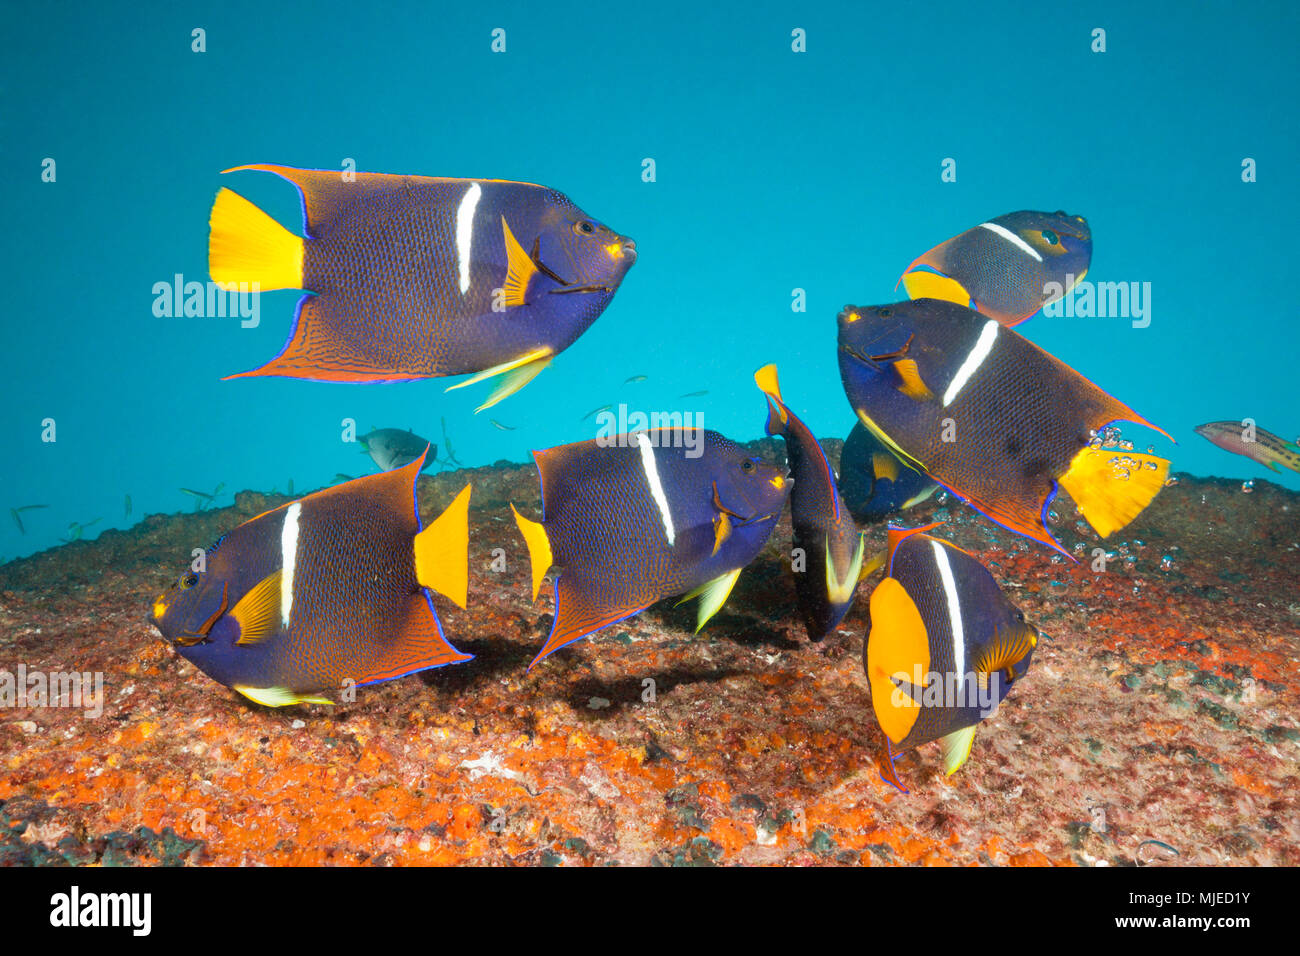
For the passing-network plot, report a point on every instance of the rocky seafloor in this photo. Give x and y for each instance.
(1158, 723)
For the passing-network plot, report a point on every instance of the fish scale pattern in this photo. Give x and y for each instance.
(386, 274)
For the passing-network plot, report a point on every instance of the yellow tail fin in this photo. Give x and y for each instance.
(897, 644)
(1112, 487)
(247, 245)
(442, 551)
(927, 285)
(539, 548)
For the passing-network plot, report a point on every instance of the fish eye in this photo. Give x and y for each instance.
(748, 466)
(886, 313)
(1051, 237)
(188, 581)
(584, 227)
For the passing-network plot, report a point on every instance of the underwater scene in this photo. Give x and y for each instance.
(754, 434)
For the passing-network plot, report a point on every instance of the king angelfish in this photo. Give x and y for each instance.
(825, 535)
(630, 519)
(944, 647)
(329, 591)
(1009, 267)
(991, 416)
(415, 276)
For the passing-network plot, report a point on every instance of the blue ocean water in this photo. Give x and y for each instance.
(775, 170)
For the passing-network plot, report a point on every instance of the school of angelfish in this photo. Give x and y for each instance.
(410, 277)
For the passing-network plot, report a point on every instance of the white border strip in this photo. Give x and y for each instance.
(288, 557)
(954, 610)
(465, 231)
(1012, 238)
(656, 487)
(983, 345)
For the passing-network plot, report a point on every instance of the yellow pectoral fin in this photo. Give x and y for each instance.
(871, 567)
(884, 466)
(928, 285)
(1112, 487)
(896, 646)
(539, 548)
(956, 748)
(279, 696)
(712, 594)
(442, 551)
(721, 530)
(259, 612)
(1009, 647)
(910, 382)
(520, 268)
(840, 590)
(248, 246)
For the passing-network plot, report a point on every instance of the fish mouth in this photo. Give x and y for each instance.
(755, 519)
(567, 290)
(859, 356)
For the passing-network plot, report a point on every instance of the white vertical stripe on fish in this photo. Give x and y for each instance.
(652, 478)
(465, 231)
(954, 611)
(288, 558)
(1012, 238)
(983, 345)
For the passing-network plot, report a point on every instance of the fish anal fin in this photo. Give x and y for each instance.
(896, 645)
(1112, 487)
(418, 646)
(956, 748)
(258, 612)
(442, 551)
(578, 615)
(317, 351)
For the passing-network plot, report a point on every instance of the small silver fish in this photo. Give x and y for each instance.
(394, 447)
